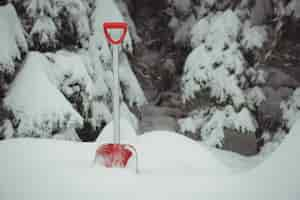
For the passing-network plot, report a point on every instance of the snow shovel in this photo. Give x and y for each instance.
(116, 155)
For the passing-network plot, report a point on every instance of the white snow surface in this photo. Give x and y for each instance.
(171, 167)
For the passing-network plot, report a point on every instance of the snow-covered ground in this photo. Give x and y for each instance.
(171, 167)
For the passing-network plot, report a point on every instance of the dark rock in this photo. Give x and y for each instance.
(241, 143)
(285, 93)
(276, 78)
(269, 112)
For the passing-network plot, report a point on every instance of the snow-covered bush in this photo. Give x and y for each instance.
(39, 108)
(12, 39)
(291, 109)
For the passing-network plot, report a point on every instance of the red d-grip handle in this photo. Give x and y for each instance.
(115, 25)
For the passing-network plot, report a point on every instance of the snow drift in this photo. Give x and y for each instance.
(37, 169)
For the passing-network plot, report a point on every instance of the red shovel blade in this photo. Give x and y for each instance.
(115, 155)
(115, 25)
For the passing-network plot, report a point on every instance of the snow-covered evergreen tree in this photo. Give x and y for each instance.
(13, 45)
(12, 39)
(55, 23)
(39, 108)
(217, 67)
(58, 92)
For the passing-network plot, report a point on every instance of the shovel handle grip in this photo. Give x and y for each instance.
(115, 25)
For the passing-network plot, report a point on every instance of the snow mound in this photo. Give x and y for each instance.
(37, 104)
(167, 152)
(69, 173)
(127, 133)
(12, 39)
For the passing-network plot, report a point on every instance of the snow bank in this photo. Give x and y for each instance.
(165, 153)
(49, 174)
(12, 39)
(37, 104)
(128, 133)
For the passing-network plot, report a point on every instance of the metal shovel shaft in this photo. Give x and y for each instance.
(116, 96)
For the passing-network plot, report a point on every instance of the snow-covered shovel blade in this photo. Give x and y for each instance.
(116, 154)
